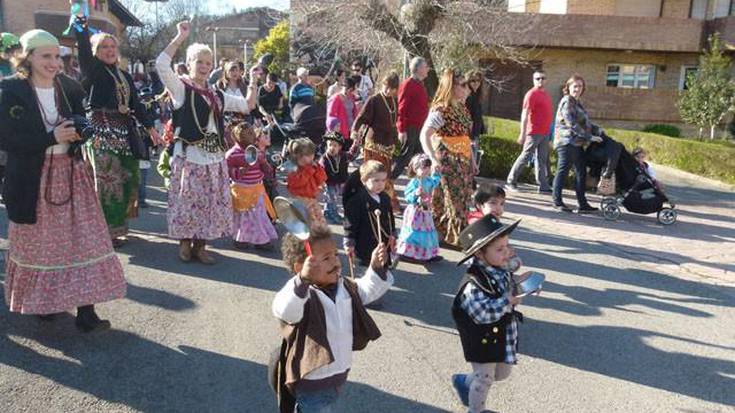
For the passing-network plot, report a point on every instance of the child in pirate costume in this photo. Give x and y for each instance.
(199, 200)
(334, 161)
(484, 311)
(323, 320)
(361, 223)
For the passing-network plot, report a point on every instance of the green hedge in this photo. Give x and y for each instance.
(668, 130)
(701, 158)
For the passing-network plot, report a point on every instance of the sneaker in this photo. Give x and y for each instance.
(512, 187)
(587, 209)
(562, 208)
(459, 382)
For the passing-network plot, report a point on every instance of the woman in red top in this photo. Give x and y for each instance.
(307, 181)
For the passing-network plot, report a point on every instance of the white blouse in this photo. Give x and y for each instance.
(47, 98)
(177, 90)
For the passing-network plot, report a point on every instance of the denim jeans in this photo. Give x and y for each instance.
(322, 401)
(333, 192)
(142, 191)
(568, 156)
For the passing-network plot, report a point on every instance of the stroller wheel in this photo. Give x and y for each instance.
(607, 200)
(611, 210)
(667, 216)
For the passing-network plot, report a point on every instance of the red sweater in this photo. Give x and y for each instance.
(413, 105)
(306, 181)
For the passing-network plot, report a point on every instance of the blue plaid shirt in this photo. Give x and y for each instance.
(486, 310)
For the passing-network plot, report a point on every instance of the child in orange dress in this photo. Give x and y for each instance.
(308, 180)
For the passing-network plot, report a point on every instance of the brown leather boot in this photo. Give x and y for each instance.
(201, 253)
(185, 250)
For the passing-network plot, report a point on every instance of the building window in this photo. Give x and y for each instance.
(686, 71)
(698, 9)
(630, 76)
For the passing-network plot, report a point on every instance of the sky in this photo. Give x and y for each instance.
(224, 6)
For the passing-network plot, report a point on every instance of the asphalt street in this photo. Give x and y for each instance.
(634, 317)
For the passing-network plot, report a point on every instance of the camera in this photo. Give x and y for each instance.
(83, 127)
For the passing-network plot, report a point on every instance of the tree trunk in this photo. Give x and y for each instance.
(712, 131)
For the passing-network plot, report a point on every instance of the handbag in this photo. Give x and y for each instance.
(606, 186)
(136, 143)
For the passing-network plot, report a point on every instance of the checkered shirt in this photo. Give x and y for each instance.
(485, 310)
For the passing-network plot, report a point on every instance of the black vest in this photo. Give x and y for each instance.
(185, 126)
(481, 343)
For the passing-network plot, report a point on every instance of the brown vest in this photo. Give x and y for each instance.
(305, 347)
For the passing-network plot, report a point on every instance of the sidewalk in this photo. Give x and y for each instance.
(699, 246)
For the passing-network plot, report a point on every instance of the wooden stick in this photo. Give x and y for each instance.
(380, 230)
(352, 266)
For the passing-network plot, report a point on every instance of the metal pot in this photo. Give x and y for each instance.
(527, 283)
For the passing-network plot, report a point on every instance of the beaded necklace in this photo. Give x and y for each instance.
(122, 90)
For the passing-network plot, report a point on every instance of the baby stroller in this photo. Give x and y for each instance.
(635, 189)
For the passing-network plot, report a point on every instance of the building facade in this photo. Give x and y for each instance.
(237, 33)
(19, 16)
(633, 54)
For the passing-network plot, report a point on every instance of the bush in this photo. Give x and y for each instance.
(707, 159)
(668, 130)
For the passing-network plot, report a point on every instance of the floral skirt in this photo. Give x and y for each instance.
(453, 196)
(253, 224)
(418, 238)
(199, 201)
(116, 180)
(64, 260)
(316, 216)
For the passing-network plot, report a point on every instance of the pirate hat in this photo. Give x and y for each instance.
(334, 136)
(482, 232)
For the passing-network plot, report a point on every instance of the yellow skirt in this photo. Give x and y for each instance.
(245, 197)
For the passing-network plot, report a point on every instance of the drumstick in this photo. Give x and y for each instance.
(352, 266)
(307, 248)
(380, 230)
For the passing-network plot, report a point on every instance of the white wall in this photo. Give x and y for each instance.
(553, 6)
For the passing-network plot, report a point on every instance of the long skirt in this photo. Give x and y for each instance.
(418, 238)
(453, 196)
(199, 201)
(116, 180)
(64, 260)
(252, 215)
(387, 160)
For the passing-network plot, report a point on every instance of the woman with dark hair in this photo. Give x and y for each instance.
(232, 83)
(474, 105)
(375, 129)
(342, 109)
(445, 137)
(60, 256)
(270, 98)
(574, 130)
(115, 111)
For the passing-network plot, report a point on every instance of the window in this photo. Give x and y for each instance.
(698, 9)
(630, 76)
(686, 70)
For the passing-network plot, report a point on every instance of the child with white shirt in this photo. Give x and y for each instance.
(323, 321)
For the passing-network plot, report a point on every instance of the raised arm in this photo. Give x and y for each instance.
(166, 73)
(87, 62)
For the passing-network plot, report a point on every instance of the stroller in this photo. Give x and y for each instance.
(635, 189)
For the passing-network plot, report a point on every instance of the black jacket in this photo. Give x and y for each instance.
(360, 223)
(23, 135)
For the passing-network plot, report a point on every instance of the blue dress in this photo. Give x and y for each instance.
(418, 238)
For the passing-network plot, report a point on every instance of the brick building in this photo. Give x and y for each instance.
(633, 54)
(238, 31)
(19, 16)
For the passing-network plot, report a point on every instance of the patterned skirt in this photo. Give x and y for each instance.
(453, 196)
(418, 238)
(116, 171)
(252, 222)
(64, 260)
(199, 201)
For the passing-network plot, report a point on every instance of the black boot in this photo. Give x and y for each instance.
(87, 320)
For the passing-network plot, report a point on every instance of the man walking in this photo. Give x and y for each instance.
(535, 128)
(413, 108)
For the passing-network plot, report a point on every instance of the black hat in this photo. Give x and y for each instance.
(334, 136)
(482, 232)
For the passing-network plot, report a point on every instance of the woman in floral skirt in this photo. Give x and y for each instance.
(199, 201)
(60, 255)
(445, 137)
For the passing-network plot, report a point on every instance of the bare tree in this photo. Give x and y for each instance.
(444, 32)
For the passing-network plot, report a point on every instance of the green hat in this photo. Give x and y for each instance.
(8, 40)
(37, 38)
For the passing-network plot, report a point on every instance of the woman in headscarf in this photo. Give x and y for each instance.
(60, 256)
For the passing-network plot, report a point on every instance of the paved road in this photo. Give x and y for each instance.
(634, 318)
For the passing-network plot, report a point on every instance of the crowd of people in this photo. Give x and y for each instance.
(76, 140)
